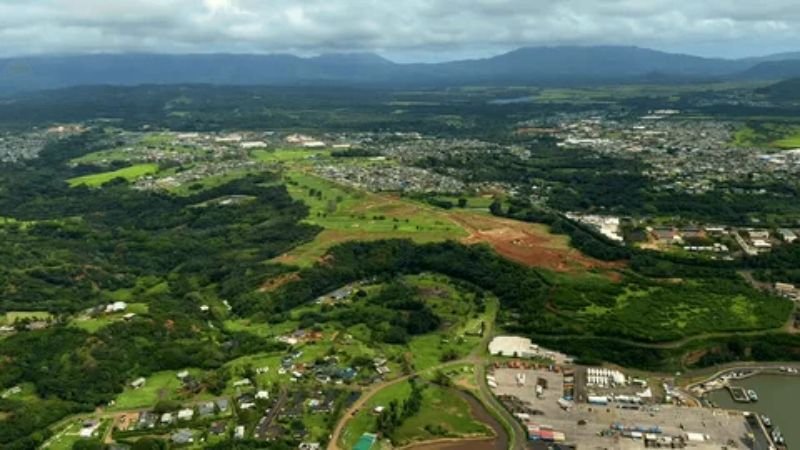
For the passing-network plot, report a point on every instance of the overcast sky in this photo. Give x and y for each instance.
(399, 29)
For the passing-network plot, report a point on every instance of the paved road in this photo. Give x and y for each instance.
(101, 414)
(476, 358)
(516, 434)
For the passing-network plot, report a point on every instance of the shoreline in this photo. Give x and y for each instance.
(718, 381)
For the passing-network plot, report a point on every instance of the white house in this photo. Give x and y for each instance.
(116, 307)
(186, 414)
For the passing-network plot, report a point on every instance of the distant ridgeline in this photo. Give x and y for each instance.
(537, 65)
(788, 90)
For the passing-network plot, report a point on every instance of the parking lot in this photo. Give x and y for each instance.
(584, 424)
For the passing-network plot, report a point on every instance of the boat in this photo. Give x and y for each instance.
(777, 437)
(752, 395)
(766, 421)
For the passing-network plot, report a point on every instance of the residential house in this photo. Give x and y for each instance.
(787, 235)
(222, 404)
(217, 428)
(666, 235)
(183, 436)
(116, 307)
(206, 409)
(167, 419)
(147, 420)
(138, 383)
(238, 433)
(186, 414)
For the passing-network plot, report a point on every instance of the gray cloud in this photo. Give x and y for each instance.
(428, 29)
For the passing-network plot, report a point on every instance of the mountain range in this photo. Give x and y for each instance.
(562, 65)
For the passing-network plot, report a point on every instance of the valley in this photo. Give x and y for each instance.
(318, 285)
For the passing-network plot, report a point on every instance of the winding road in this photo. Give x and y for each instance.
(477, 359)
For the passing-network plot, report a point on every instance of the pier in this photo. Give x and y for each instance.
(739, 394)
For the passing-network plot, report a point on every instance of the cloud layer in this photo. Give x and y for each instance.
(427, 29)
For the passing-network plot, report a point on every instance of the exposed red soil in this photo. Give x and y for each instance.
(529, 244)
(274, 283)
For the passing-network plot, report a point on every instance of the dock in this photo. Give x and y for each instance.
(739, 394)
(762, 438)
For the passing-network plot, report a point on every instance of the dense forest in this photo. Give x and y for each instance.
(66, 246)
(65, 250)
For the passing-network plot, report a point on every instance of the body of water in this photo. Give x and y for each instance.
(778, 398)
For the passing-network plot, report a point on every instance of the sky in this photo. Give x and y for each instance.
(402, 30)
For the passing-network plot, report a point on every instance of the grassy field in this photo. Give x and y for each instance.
(14, 316)
(442, 414)
(159, 386)
(210, 182)
(459, 314)
(665, 310)
(789, 142)
(66, 438)
(93, 324)
(778, 135)
(129, 173)
(258, 361)
(615, 93)
(104, 157)
(349, 214)
(364, 420)
(260, 329)
(285, 155)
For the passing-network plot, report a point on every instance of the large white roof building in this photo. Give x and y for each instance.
(513, 346)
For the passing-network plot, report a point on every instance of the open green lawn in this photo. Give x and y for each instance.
(284, 155)
(364, 420)
(65, 438)
(272, 361)
(260, 329)
(459, 314)
(443, 414)
(93, 324)
(14, 316)
(790, 142)
(772, 134)
(129, 173)
(349, 214)
(211, 182)
(157, 139)
(104, 157)
(460, 310)
(159, 386)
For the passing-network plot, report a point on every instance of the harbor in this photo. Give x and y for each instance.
(776, 398)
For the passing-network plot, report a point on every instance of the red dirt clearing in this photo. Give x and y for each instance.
(274, 283)
(527, 243)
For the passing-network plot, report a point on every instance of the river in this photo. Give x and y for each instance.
(778, 398)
